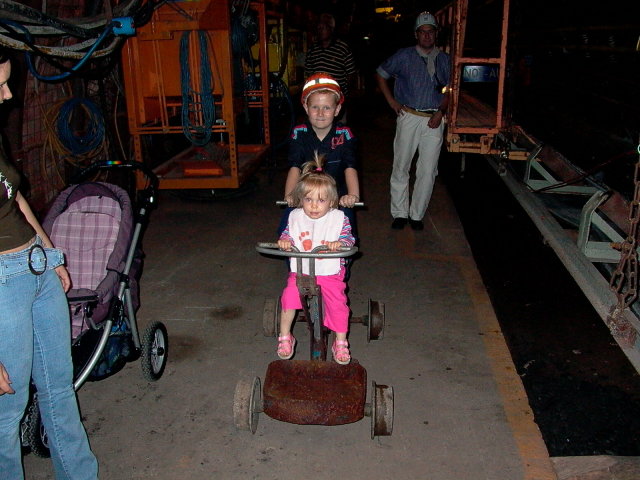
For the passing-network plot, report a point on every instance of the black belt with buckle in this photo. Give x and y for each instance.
(34, 247)
(420, 112)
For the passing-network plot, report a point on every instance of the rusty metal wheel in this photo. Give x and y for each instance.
(381, 410)
(375, 321)
(271, 317)
(247, 404)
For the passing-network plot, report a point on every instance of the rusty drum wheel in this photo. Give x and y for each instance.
(381, 410)
(247, 404)
(271, 317)
(375, 321)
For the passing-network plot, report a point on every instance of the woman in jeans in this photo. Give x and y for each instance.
(35, 338)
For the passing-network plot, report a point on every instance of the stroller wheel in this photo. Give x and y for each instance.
(155, 347)
(35, 433)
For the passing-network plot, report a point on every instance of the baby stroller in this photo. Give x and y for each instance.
(93, 223)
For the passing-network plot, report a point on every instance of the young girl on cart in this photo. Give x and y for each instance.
(317, 221)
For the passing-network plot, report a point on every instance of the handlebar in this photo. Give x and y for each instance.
(283, 203)
(318, 252)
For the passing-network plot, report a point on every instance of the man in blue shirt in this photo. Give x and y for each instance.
(421, 73)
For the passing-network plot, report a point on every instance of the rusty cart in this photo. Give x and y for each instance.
(324, 393)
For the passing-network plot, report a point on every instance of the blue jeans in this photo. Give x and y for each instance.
(35, 342)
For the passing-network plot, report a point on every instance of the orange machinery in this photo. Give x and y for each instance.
(153, 85)
(473, 122)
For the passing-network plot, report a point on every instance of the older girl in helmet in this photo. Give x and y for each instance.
(322, 135)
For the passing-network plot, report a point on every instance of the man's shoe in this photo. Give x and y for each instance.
(399, 223)
(416, 224)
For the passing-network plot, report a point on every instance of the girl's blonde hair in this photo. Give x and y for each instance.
(313, 178)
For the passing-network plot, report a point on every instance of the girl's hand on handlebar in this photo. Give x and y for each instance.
(333, 246)
(348, 200)
(284, 245)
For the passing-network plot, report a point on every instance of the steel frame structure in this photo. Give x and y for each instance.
(152, 84)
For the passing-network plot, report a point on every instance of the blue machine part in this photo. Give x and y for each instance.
(123, 26)
(480, 73)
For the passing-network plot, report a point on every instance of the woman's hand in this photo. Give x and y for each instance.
(63, 275)
(5, 381)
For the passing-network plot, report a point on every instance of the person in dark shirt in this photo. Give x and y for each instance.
(330, 55)
(35, 333)
(322, 135)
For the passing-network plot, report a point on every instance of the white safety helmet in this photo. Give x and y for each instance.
(321, 82)
(425, 18)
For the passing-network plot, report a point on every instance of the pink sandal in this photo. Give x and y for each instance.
(286, 346)
(340, 350)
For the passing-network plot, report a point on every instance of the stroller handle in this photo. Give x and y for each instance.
(86, 172)
(318, 252)
(146, 197)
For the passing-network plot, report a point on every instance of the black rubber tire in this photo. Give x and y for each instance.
(155, 350)
(36, 435)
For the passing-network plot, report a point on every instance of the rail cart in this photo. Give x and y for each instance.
(324, 393)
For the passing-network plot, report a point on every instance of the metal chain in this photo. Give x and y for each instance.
(624, 280)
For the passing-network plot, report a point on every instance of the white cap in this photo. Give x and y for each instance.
(425, 18)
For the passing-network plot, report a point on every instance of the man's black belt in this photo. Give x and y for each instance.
(421, 113)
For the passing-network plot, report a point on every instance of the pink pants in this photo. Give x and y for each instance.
(334, 300)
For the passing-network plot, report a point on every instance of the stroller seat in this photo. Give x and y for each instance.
(92, 224)
(87, 232)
